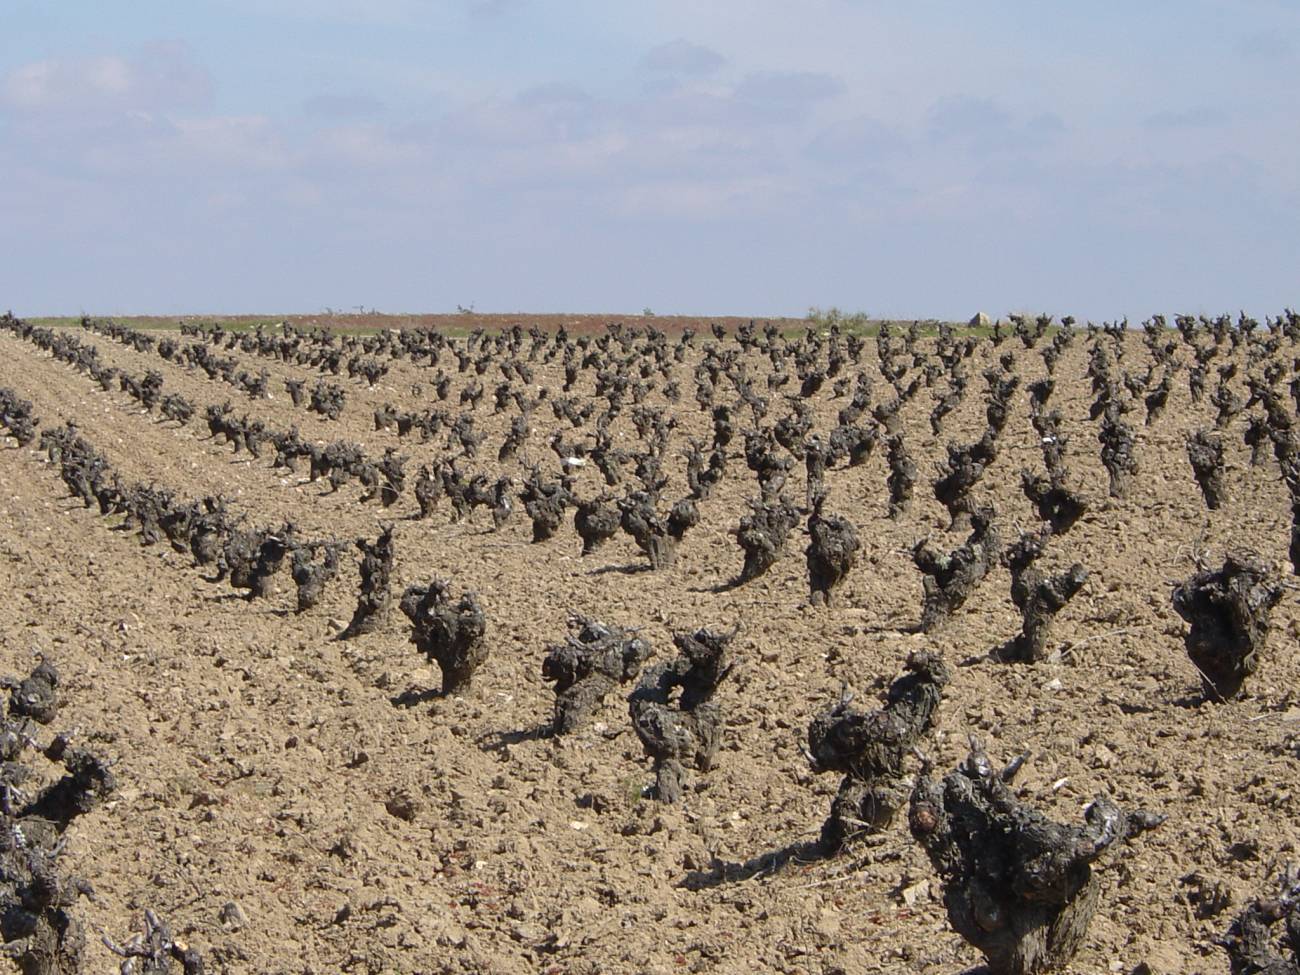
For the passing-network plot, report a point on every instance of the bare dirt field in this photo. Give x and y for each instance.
(290, 802)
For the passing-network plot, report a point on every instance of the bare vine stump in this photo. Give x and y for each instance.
(252, 557)
(428, 489)
(1117, 453)
(596, 522)
(310, 576)
(832, 552)
(591, 662)
(40, 933)
(771, 467)
(686, 730)
(1293, 550)
(1044, 597)
(701, 475)
(38, 930)
(1228, 612)
(449, 633)
(502, 505)
(1256, 437)
(818, 457)
(1057, 504)
(270, 557)
(869, 748)
(1253, 944)
(902, 476)
(547, 513)
(951, 577)
(762, 536)
(375, 596)
(963, 469)
(1039, 597)
(209, 527)
(683, 516)
(394, 477)
(1205, 453)
(1017, 886)
(238, 556)
(854, 442)
(655, 536)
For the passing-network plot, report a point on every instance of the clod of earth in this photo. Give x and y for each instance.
(36, 696)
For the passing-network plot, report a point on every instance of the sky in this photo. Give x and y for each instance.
(932, 158)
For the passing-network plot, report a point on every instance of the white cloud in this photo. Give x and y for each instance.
(1266, 46)
(681, 57)
(367, 147)
(235, 142)
(374, 12)
(160, 76)
(339, 106)
(692, 201)
(1201, 117)
(788, 87)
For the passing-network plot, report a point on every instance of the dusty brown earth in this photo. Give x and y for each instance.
(262, 763)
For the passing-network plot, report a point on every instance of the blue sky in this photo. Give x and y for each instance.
(924, 159)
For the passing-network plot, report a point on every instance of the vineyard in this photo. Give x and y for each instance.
(640, 650)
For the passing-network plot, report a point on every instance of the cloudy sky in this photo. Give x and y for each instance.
(929, 158)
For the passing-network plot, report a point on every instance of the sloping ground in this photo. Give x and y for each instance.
(361, 824)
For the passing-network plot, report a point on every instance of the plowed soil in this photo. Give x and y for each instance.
(361, 823)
